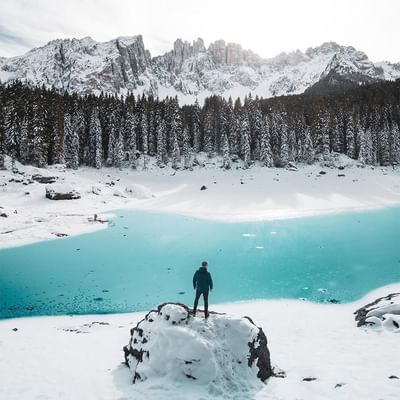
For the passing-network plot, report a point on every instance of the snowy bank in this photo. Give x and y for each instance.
(324, 354)
(234, 195)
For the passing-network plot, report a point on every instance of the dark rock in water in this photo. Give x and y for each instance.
(384, 311)
(393, 377)
(54, 194)
(171, 331)
(98, 299)
(334, 301)
(181, 292)
(309, 379)
(203, 187)
(44, 179)
(105, 290)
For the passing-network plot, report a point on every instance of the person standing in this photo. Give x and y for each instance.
(202, 284)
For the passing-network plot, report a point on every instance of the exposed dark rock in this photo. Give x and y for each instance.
(341, 167)
(309, 379)
(58, 234)
(203, 187)
(322, 172)
(377, 311)
(341, 175)
(4, 215)
(54, 194)
(393, 377)
(44, 179)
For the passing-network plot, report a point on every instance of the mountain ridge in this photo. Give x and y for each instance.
(190, 70)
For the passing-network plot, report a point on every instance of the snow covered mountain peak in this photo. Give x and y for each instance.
(188, 70)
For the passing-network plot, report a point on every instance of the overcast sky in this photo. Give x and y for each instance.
(267, 27)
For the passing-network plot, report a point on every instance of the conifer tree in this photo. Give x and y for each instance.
(71, 144)
(265, 146)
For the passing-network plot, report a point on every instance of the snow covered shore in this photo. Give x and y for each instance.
(233, 195)
(81, 357)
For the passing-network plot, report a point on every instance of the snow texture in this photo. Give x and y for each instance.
(170, 343)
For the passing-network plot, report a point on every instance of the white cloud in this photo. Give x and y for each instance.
(265, 26)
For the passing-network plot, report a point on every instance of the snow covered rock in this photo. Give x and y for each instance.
(138, 191)
(44, 179)
(381, 313)
(170, 343)
(189, 70)
(61, 192)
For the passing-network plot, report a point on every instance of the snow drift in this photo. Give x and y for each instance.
(171, 343)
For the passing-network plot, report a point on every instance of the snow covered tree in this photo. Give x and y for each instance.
(196, 128)
(145, 139)
(225, 152)
(365, 153)
(71, 144)
(308, 153)
(351, 138)
(161, 143)
(96, 144)
(245, 140)
(186, 152)
(130, 134)
(265, 145)
(176, 154)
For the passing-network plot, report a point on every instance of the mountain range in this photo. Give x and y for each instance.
(190, 70)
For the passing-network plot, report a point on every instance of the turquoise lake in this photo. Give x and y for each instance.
(143, 259)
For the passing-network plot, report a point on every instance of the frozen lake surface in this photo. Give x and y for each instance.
(144, 259)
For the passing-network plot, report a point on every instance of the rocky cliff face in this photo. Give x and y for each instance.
(189, 70)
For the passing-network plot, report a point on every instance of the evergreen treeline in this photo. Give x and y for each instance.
(42, 127)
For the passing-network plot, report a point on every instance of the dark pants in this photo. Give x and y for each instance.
(196, 301)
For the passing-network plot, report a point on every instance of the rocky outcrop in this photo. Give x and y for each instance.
(171, 343)
(44, 179)
(189, 70)
(384, 313)
(60, 192)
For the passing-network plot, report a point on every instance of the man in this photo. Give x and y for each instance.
(202, 283)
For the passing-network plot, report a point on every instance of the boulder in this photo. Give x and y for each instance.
(172, 343)
(61, 192)
(44, 179)
(383, 313)
(204, 187)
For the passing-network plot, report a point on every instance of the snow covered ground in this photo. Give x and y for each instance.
(233, 195)
(80, 357)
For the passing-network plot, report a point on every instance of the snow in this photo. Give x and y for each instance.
(189, 71)
(80, 357)
(235, 195)
(181, 347)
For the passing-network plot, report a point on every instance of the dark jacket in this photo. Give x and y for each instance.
(202, 280)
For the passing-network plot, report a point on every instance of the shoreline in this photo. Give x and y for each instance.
(256, 194)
